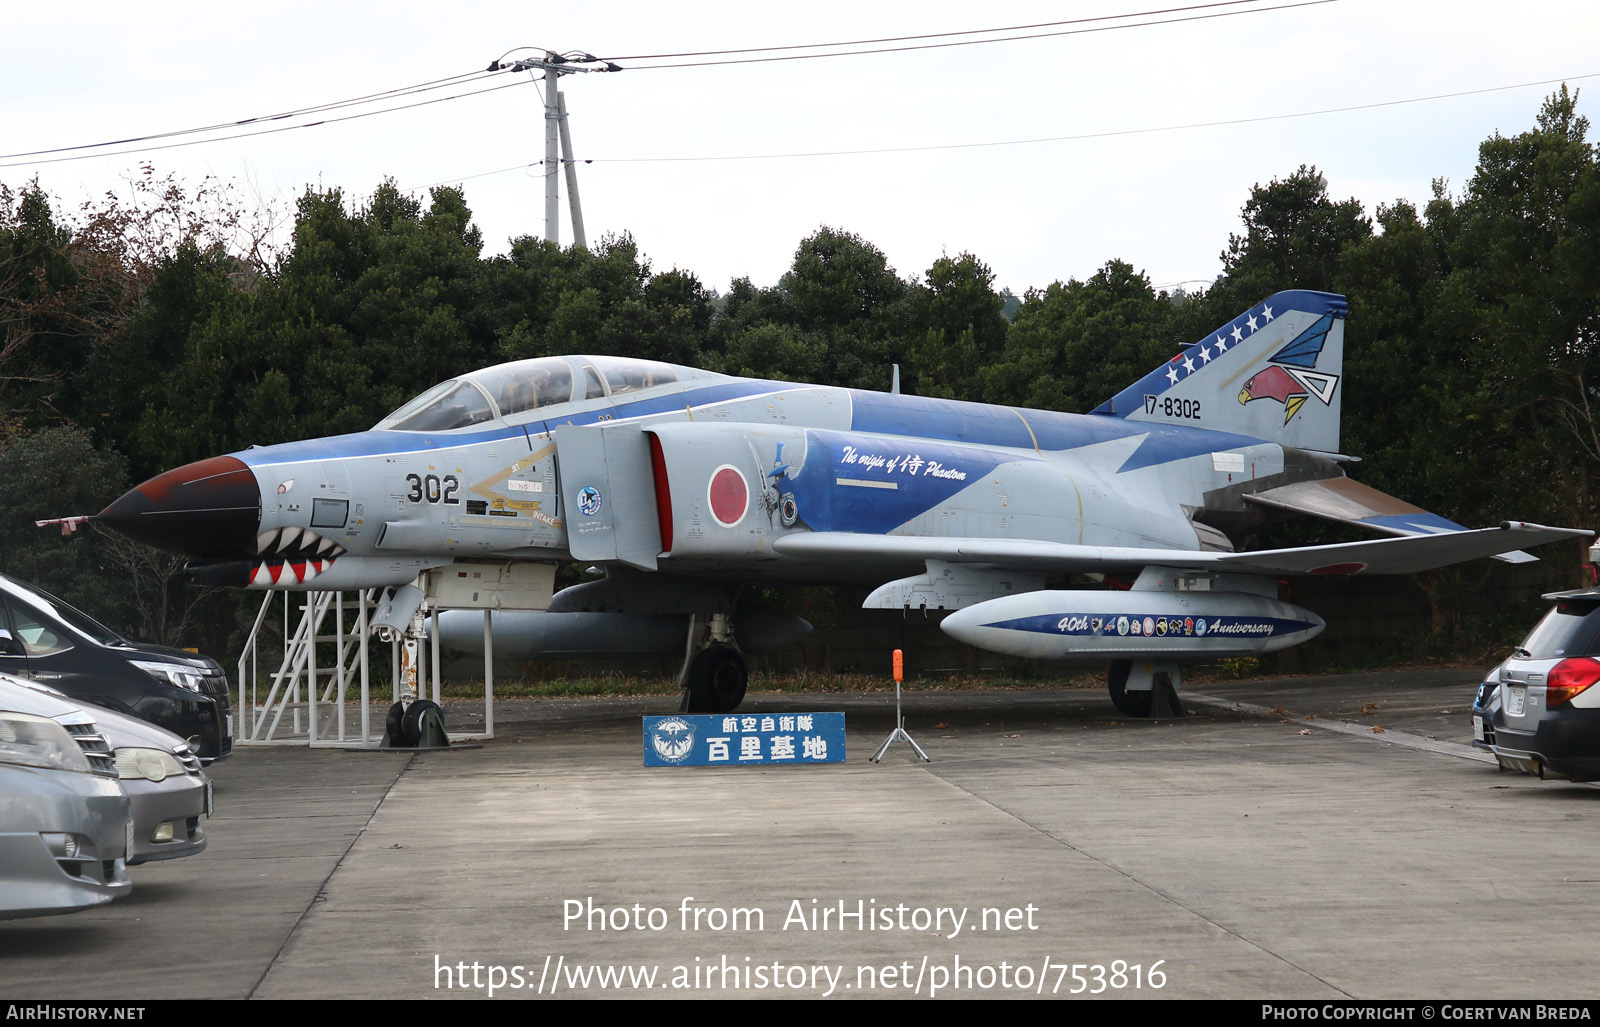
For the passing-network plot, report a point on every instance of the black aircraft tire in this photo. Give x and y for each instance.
(411, 723)
(392, 729)
(1129, 704)
(717, 681)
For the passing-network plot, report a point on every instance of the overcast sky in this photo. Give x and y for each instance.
(1165, 201)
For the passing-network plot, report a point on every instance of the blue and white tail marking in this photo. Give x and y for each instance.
(1272, 373)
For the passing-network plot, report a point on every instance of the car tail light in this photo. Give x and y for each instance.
(1568, 678)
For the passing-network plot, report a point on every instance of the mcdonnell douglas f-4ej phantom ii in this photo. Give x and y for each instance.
(685, 485)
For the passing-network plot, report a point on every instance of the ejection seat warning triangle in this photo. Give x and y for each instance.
(730, 739)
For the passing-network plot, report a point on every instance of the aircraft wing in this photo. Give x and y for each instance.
(1350, 502)
(1401, 555)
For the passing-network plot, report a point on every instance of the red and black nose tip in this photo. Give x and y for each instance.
(209, 508)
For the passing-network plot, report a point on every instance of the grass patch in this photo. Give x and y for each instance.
(802, 682)
(822, 683)
(562, 688)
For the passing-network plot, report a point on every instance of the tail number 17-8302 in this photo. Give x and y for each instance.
(1169, 407)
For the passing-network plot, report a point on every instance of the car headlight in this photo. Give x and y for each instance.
(29, 741)
(147, 765)
(172, 673)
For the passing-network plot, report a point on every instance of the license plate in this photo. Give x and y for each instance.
(1516, 701)
(127, 839)
(208, 795)
(229, 718)
(1477, 728)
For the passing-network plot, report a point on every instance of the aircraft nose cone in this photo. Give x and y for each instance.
(210, 508)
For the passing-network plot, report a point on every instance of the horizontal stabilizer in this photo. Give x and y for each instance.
(1403, 555)
(1350, 502)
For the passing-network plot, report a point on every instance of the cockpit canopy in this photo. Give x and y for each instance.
(523, 386)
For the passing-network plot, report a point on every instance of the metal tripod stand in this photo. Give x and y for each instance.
(899, 733)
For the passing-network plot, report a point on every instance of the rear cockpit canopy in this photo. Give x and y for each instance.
(525, 390)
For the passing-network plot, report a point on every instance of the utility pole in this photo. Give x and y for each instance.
(571, 163)
(557, 134)
(552, 185)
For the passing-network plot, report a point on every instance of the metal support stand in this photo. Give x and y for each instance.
(1164, 700)
(312, 689)
(899, 733)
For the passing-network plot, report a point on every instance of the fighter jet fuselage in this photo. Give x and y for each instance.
(702, 473)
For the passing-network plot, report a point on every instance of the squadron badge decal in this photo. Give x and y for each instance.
(1291, 378)
(673, 739)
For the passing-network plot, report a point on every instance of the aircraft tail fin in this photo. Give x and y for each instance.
(1271, 373)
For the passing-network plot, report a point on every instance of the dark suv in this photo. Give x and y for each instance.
(49, 641)
(1540, 709)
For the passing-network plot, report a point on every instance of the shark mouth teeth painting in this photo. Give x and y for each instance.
(291, 556)
(300, 543)
(286, 572)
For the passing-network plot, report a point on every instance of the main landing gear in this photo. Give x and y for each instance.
(1129, 704)
(716, 681)
(714, 676)
(1155, 691)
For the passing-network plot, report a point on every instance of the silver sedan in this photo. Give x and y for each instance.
(162, 776)
(64, 820)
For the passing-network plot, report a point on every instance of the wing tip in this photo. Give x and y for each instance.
(1546, 529)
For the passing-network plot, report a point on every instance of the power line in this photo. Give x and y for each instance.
(420, 87)
(1111, 133)
(490, 174)
(928, 35)
(570, 55)
(975, 42)
(88, 150)
(264, 131)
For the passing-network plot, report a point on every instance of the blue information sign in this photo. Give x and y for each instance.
(760, 739)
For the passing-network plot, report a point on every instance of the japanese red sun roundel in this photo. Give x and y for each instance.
(728, 495)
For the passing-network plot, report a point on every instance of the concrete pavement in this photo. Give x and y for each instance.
(1239, 852)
